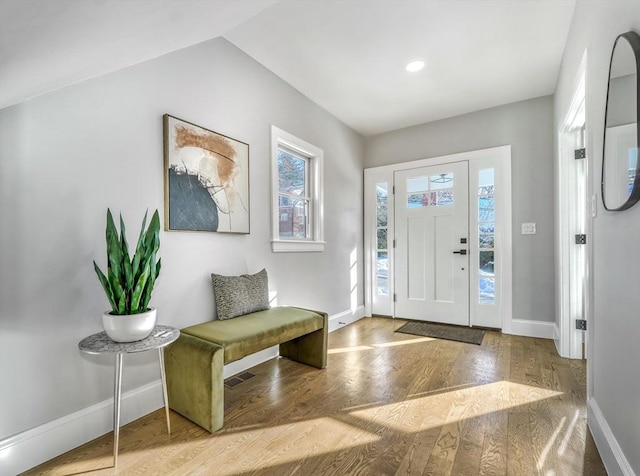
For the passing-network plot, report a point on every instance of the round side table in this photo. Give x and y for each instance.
(100, 343)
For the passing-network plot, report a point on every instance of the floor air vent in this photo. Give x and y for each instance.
(238, 379)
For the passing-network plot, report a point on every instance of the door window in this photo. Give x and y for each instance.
(430, 190)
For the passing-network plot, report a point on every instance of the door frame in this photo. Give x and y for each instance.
(568, 339)
(477, 159)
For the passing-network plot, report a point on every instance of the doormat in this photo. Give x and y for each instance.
(441, 331)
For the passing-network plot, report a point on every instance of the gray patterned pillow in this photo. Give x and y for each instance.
(238, 295)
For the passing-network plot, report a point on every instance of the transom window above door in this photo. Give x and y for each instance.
(430, 190)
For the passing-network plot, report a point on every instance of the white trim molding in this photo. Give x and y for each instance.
(345, 318)
(571, 218)
(30, 448)
(527, 328)
(293, 246)
(612, 455)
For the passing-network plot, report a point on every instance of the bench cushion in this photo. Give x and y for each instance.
(245, 335)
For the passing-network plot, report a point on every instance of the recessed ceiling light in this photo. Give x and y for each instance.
(414, 66)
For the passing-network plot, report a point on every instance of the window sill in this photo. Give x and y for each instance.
(296, 246)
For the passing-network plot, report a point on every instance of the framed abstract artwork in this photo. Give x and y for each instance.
(206, 179)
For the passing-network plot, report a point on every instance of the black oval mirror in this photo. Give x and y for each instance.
(620, 164)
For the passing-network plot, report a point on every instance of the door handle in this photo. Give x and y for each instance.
(461, 252)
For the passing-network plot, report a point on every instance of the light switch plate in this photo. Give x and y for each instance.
(528, 228)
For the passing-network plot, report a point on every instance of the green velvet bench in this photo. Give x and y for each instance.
(194, 363)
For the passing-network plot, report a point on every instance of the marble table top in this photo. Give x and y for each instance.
(101, 343)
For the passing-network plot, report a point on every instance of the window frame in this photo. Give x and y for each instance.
(315, 156)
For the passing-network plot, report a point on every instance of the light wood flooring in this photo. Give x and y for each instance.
(387, 404)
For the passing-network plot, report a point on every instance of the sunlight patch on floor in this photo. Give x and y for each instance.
(343, 350)
(550, 443)
(411, 416)
(291, 442)
(357, 348)
(280, 444)
(569, 433)
(306, 439)
(403, 342)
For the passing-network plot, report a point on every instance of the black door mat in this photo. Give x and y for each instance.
(469, 335)
(238, 379)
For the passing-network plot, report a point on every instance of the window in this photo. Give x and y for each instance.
(434, 191)
(633, 166)
(382, 244)
(294, 195)
(486, 237)
(297, 190)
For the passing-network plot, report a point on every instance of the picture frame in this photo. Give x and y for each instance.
(206, 179)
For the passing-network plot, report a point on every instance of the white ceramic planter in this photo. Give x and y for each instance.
(129, 328)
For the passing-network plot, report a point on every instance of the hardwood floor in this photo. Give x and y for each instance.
(388, 403)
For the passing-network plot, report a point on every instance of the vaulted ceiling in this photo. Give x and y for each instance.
(348, 56)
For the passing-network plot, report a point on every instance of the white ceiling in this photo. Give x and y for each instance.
(348, 56)
(49, 44)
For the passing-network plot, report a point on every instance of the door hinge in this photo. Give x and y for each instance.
(395, 297)
(581, 239)
(394, 242)
(581, 324)
(393, 190)
(580, 154)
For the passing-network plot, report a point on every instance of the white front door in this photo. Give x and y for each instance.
(432, 234)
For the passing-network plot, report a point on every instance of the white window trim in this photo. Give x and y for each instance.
(316, 169)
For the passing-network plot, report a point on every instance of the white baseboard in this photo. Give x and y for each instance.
(249, 361)
(523, 327)
(612, 456)
(33, 447)
(345, 318)
(556, 338)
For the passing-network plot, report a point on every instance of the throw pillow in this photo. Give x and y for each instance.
(238, 295)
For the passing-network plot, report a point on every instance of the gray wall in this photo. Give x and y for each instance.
(613, 370)
(67, 156)
(527, 127)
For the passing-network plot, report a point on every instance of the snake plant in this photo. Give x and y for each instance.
(129, 280)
